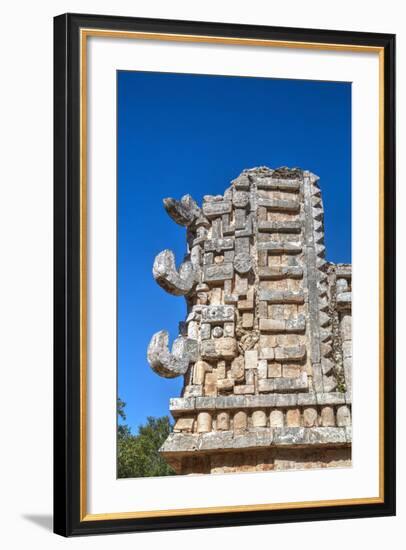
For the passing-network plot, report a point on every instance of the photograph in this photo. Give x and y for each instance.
(234, 335)
(224, 265)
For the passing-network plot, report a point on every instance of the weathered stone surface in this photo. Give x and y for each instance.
(333, 398)
(218, 273)
(169, 278)
(280, 247)
(344, 300)
(293, 226)
(218, 245)
(244, 389)
(251, 359)
(259, 419)
(183, 212)
(276, 419)
(293, 353)
(171, 364)
(275, 205)
(184, 425)
(240, 421)
(215, 209)
(281, 296)
(343, 416)
(243, 263)
(204, 422)
(293, 418)
(223, 421)
(309, 417)
(281, 325)
(219, 348)
(327, 416)
(266, 347)
(275, 273)
(193, 390)
(217, 314)
(225, 385)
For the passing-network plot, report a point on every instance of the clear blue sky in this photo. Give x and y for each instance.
(181, 134)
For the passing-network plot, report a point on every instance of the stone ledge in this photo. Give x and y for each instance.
(180, 405)
(277, 437)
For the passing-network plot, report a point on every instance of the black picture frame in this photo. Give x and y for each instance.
(67, 381)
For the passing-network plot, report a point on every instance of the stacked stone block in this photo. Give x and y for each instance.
(265, 350)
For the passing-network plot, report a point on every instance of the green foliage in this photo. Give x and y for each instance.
(137, 455)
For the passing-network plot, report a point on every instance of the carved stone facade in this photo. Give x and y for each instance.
(266, 348)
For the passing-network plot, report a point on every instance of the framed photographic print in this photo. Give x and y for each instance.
(224, 274)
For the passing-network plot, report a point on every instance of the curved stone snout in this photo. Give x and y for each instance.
(183, 212)
(166, 275)
(167, 364)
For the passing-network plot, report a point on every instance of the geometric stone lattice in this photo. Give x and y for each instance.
(266, 348)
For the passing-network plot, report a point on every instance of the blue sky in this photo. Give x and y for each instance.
(181, 134)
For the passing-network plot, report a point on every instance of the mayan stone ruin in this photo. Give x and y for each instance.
(265, 350)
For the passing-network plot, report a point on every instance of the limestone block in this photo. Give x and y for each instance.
(276, 419)
(266, 385)
(205, 331)
(265, 226)
(199, 370)
(290, 371)
(274, 370)
(250, 376)
(204, 422)
(327, 416)
(342, 285)
(281, 296)
(251, 359)
(309, 417)
(293, 353)
(275, 273)
(217, 332)
(247, 320)
(215, 209)
(240, 421)
(286, 400)
(217, 314)
(343, 416)
(205, 403)
(217, 273)
(229, 329)
(267, 353)
(306, 398)
(210, 383)
(237, 368)
(272, 325)
(193, 390)
(291, 384)
(219, 245)
(240, 199)
(225, 385)
(293, 418)
(262, 368)
(223, 421)
(243, 263)
(258, 419)
(346, 327)
(279, 205)
(244, 389)
(183, 424)
(225, 348)
(347, 349)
